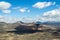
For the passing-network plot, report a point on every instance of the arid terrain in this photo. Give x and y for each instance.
(43, 32)
(29, 36)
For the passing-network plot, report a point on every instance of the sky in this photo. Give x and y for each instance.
(29, 10)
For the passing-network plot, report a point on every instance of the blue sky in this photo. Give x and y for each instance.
(28, 8)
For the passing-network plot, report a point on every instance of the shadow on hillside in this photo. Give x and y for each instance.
(24, 29)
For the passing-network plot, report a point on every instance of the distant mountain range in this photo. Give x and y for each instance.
(52, 23)
(38, 22)
(11, 26)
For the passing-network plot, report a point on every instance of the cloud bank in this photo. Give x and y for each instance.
(53, 15)
(41, 5)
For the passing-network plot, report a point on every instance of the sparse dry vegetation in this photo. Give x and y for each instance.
(30, 36)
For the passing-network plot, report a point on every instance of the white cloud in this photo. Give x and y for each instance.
(53, 15)
(4, 5)
(43, 4)
(24, 10)
(6, 11)
(1, 16)
(9, 19)
(27, 19)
